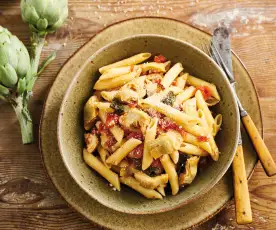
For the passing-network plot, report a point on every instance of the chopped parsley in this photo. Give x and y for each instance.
(117, 105)
(169, 99)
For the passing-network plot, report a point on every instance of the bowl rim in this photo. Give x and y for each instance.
(215, 180)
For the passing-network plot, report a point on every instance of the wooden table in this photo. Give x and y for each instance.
(28, 200)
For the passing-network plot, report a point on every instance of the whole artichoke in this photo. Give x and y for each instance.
(44, 16)
(14, 62)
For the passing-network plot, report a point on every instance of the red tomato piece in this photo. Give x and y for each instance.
(137, 153)
(206, 92)
(202, 138)
(160, 59)
(111, 120)
(136, 135)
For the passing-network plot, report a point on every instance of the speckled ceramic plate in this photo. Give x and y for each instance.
(181, 218)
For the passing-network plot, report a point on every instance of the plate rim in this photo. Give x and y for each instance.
(82, 46)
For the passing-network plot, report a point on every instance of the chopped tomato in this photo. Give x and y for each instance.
(174, 83)
(103, 129)
(132, 104)
(167, 124)
(206, 92)
(202, 138)
(112, 119)
(156, 164)
(137, 153)
(160, 59)
(136, 135)
(111, 141)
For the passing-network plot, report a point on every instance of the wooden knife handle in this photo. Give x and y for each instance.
(242, 200)
(263, 152)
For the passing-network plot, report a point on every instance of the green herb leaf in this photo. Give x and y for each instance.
(117, 105)
(169, 99)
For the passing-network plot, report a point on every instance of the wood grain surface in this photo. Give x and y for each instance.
(28, 200)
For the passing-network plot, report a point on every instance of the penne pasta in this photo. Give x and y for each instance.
(170, 170)
(134, 184)
(201, 104)
(175, 156)
(185, 95)
(215, 152)
(104, 154)
(181, 81)
(217, 124)
(115, 82)
(116, 72)
(122, 152)
(99, 167)
(136, 59)
(196, 82)
(161, 190)
(189, 138)
(171, 75)
(151, 182)
(150, 136)
(193, 150)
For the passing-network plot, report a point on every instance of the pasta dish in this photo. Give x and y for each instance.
(148, 125)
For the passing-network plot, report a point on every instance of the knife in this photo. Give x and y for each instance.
(242, 200)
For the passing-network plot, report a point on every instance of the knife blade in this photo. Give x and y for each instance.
(222, 42)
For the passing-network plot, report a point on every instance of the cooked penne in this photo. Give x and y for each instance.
(115, 72)
(170, 170)
(116, 81)
(185, 95)
(201, 104)
(150, 136)
(104, 154)
(196, 82)
(175, 156)
(171, 75)
(189, 138)
(217, 124)
(161, 190)
(142, 117)
(193, 150)
(122, 152)
(98, 166)
(174, 114)
(215, 152)
(136, 59)
(181, 81)
(134, 184)
(151, 182)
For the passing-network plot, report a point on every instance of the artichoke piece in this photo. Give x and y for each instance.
(190, 171)
(91, 141)
(4, 91)
(90, 112)
(151, 182)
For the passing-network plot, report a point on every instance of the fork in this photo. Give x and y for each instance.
(242, 199)
(262, 151)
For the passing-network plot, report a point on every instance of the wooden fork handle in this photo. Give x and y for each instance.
(242, 200)
(263, 152)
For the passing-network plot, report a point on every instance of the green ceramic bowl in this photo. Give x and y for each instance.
(70, 123)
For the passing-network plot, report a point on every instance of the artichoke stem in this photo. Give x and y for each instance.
(37, 46)
(24, 118)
